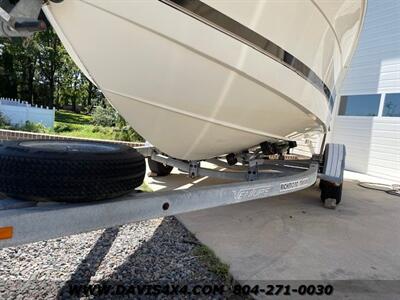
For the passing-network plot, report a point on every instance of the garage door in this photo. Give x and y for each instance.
(369, 126)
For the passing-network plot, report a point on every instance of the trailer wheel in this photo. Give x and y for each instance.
(159, 168)
(68, 171)
(330, 191)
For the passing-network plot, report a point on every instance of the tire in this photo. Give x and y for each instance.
(159, 168)
(330, 191)
(68, 171)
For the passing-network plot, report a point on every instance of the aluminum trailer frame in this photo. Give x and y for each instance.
(24, 222)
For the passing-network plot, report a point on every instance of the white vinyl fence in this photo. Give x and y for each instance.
(18, 112)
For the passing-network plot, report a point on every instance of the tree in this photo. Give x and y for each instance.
(43, 73)
(50, 61)
(8, 76)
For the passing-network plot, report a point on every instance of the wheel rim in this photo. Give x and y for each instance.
(70, 146)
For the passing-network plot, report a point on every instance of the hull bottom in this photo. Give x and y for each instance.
(192, 137)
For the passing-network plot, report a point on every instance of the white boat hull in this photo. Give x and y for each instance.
(196, 90)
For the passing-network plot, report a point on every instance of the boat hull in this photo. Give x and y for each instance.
(197, 90)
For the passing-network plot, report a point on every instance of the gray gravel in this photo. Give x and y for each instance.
(152, 252)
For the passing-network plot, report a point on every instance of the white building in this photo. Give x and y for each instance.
(367, 117)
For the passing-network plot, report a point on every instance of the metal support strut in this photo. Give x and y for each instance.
(20, 20)
(194, 168)
(252, 172)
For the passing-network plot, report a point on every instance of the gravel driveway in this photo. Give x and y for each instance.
(148, 252)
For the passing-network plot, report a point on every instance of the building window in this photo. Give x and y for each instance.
(359, 105)
(392, 105)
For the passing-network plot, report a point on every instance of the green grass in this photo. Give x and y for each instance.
(72, 124)
(214, 265)
(77, 125)
(145, 187)
(88, 131)
(64, 116)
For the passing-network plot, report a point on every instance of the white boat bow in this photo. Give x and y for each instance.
(199, 79)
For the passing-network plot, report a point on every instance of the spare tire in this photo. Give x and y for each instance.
(68, 171)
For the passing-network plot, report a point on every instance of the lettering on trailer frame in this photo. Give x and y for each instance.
(252, 193)
(295, 184)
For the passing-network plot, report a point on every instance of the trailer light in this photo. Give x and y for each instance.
(6, 233)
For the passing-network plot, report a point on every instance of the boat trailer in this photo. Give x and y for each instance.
(27, 221)
(24, 221)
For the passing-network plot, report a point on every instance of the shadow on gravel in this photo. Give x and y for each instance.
(166, 258)
(88, 267)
